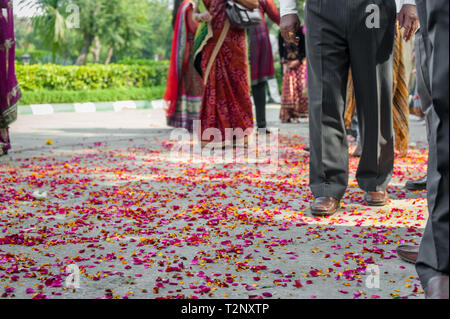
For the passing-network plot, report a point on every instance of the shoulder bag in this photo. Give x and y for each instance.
(243, 13)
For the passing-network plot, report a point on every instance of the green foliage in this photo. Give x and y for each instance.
(37, 56)
(133, 61)
(301, 11)
(90, 77)
(158, 41)
(51, 25)
(125, 23)
(107, 95)
(109, 30)
(279, 76)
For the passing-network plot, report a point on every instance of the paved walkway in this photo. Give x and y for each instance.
(138, 223)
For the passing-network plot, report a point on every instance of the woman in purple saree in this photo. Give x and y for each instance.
(9, 89)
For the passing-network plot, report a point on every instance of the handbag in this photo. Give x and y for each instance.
(242, 17)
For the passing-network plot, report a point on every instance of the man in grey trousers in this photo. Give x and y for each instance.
(341, 34)
(433, 256)
(422, 49)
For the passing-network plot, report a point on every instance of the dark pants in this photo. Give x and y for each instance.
(422, 49)
(338, 38)
(434, 250)
(259, 96)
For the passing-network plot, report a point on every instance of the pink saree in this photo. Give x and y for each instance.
(9, 88)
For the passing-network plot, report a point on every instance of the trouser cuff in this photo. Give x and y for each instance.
(329, 190)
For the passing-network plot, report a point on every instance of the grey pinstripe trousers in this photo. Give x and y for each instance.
(338, 38)
(433, 257)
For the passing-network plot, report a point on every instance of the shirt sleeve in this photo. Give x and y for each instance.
(288, 7)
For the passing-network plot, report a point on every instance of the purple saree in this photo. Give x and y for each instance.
(9, 88)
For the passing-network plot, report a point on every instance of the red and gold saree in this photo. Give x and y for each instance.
(226, 102)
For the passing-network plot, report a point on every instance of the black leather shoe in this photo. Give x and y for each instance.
(408, 253)
(417, 185)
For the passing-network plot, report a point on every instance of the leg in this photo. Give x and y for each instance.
(371, 52)
(423, 52)
(5, 144)
(274, 92)
(423, 73)
(433, 260)
(259, 96)
(328, 68)
(424, 91)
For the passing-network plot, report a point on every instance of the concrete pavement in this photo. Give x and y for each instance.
(140, 224)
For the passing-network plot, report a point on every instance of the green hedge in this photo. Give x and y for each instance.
(106, 95)
(90, 77)
(132, 61)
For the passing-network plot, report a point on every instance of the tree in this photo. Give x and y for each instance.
(125, 22)
(92, 23)
(51, 25)
(23, 33)
(109, 30)
(158, 44)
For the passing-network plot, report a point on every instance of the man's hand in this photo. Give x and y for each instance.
(289, 26)
(409, 20)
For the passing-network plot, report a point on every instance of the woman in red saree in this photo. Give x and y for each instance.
(9, 89)
(226, 102)
(184, 85)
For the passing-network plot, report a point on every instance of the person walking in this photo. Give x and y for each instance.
(261, 59)
(432, 259)
(343, 34)
(184, 90)
(222, 54)
(9, 88)
(422, 52)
